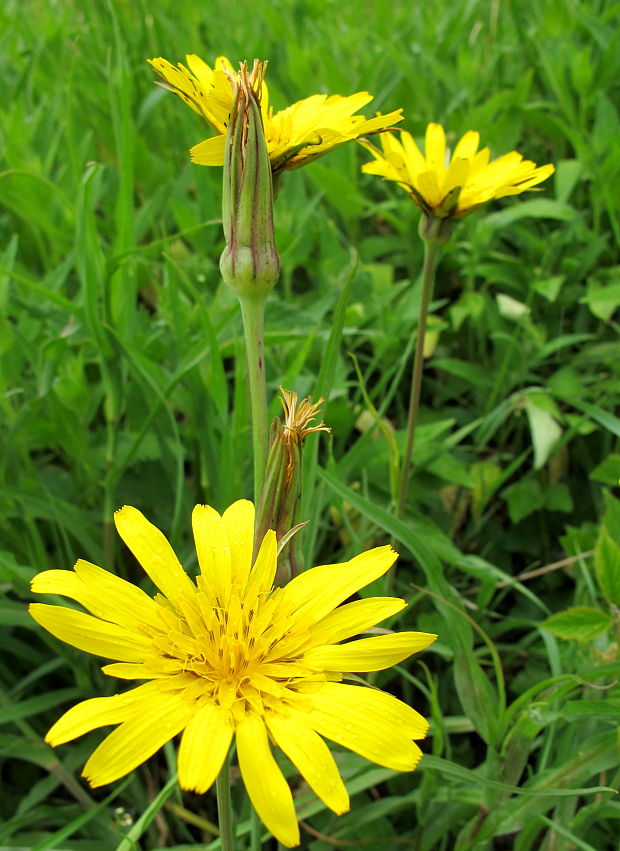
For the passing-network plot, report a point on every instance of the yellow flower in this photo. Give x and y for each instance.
(445, 186)
(227, 655)
(296, 135)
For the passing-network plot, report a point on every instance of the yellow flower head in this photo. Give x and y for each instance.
(296, 135)
(228, 655)
(451, 186)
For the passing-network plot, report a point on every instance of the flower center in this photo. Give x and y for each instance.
(246, 652)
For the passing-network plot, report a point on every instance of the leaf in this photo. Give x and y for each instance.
(607, 566)
(510, 308)
(523, 498)
(543, 208)
(474, 373)
(567, 174)
(549, 288)
(608, 471)
(598, 414)
(611, 516)
(581, 623)
(558, 498)
(544, 429)
(603, 298)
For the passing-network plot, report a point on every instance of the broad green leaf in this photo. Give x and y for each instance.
(581, 623)
(611, 516)
(549, 288)
(567, 174)
(523, 498)
(603, 297)
(607, 566)
(608, 471)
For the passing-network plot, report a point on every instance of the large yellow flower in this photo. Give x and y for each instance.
(445, 186)
(296, 135)
(227, 654)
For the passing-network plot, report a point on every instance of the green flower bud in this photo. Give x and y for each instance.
(249, 264)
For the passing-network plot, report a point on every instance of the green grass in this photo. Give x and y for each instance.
(122, 381)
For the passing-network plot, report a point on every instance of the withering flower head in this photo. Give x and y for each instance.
(298, 416)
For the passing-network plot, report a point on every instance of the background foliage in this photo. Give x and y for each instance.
(121, 383)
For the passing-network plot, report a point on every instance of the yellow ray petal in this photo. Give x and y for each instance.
(131, 671)
(92, 634)
(103, 594)
(265, 784)
(428, 186)
(213, 548)
(467, 145)
(382, 168)
(354, 618)
(456, 175)
(203, 748)
(179, 81)
(499, 171)
(153, 552)
(124, 596)
(379, 122)
(413, 156)
(369, 722)
(368, 654)
(200, 69)
(131, 744)
(210, 151)
(98, 712)
(479, 162)
(317, 591)
(239, 522)
(312, 758)
(435, 150)
(373, 703)
(264, 569)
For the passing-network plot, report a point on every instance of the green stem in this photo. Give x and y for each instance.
(253, 313)
(431, 251)
(256, 828)
(224, 808)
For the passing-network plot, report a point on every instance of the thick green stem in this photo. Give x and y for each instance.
(431, 250)
(253, 312)
(224, 807)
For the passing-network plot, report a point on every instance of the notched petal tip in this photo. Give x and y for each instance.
(126, 511)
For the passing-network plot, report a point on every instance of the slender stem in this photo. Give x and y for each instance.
(253, 313)
(431, 250)
(224, 808)
(256, 828)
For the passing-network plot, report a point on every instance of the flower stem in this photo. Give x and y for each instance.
(224, 807)
(256, 828)
(431, 251)
(253, 313)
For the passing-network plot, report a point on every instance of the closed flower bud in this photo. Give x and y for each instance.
(249, 264)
